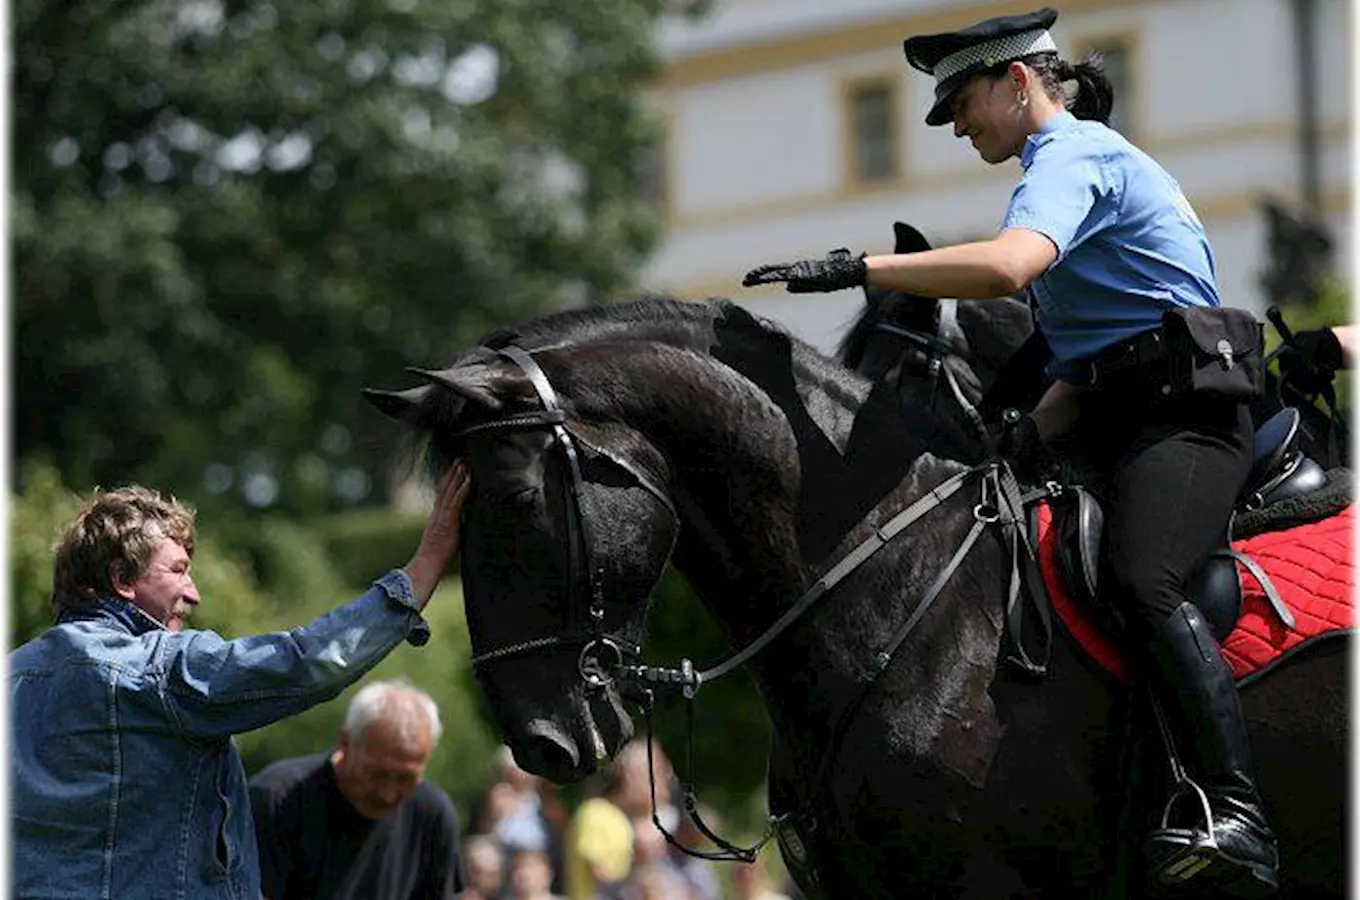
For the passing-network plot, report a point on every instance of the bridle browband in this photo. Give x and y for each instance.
(1000, 502)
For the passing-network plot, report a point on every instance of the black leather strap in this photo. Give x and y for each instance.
(1144, 349)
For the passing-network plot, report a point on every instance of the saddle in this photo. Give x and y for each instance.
(1281, 473)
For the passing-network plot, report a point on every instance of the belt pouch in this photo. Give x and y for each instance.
(1213, 349)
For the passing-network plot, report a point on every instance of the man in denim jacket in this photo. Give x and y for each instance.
(125, 781)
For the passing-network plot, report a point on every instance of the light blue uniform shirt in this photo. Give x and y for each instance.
(1129, 245)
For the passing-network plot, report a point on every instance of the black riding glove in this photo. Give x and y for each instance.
(1029, 457)
(1310, 363)
(839, 270)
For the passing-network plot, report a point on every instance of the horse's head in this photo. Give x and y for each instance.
(928, 351)
(866, 348)
(568, 527)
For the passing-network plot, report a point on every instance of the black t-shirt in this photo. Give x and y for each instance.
(314, 845)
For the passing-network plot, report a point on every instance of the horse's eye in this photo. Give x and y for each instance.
(524, 498)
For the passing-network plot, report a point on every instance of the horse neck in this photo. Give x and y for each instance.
(753, 535)
(778, 459)
(740, 416)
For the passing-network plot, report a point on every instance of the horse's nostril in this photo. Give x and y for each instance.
(548, 756)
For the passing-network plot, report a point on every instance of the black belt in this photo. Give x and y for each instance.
(1143, 349)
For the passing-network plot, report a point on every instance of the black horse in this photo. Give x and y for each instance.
(605, 443)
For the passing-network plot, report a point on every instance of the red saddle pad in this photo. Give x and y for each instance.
(1312, 567)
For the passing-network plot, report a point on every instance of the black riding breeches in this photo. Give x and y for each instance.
(1173, 468)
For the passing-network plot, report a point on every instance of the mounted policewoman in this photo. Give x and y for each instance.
(1153, 378)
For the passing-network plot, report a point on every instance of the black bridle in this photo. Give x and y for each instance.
(582, 568)
(938, 347)
(1000, 502)
(594, 638)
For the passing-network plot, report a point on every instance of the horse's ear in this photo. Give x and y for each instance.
(486, 385)
(399, 405)
(908, 239)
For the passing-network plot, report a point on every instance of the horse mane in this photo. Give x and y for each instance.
(850, 349)
(661, 312)
(878, 448)
(657, 318)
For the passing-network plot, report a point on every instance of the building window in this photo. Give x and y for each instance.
(873, 113)
(1118, 57)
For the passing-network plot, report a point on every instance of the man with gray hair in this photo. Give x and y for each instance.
(360, 822)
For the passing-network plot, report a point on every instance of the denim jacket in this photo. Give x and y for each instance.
(126, 784)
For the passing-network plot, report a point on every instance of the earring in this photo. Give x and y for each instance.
(1021, 99)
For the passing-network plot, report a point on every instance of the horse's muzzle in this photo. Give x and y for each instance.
(549, 753)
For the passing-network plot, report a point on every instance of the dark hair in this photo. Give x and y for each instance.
(1094, 97)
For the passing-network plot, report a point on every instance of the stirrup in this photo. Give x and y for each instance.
(1178, 854)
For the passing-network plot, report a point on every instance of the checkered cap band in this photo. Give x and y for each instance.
(1002, 49)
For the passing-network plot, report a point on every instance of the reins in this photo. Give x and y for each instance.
(688, 680)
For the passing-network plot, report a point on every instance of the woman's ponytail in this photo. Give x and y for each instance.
(1094, 97)
(1082, 87)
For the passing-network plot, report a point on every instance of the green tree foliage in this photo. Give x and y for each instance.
(361, 541)
(229, 216)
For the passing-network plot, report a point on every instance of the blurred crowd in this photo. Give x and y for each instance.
(524, 844)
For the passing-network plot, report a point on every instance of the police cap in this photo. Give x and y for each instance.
(955, 56)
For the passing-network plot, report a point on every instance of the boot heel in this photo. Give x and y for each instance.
(1250, 879)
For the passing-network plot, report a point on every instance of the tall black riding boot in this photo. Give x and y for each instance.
(1196, 687)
